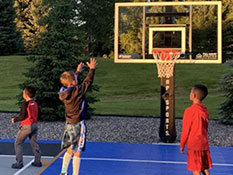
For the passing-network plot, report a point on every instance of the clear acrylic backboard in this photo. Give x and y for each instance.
(194, 27)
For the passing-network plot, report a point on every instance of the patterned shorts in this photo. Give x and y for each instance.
(75, 136)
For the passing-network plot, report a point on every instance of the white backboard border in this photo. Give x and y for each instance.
(171, 29)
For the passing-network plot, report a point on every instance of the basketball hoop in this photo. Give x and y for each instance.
(165, 60)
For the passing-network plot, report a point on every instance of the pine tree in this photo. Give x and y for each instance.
(98, 17)
(28, 13)
(227, 29)
(131, 24)
(10, 39)
(59, 49)
(226, 87)
(131, 39)
(226, 108)
(205, 32)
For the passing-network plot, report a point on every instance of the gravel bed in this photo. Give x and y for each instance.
(117, 129)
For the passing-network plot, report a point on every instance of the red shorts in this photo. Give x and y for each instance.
(198, 160)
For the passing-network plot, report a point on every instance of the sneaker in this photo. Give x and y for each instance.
(16, 166)
(37, 164)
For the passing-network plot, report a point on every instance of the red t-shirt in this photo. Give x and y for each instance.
(195, 128)
(28, 114)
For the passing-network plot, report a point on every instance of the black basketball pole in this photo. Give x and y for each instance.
(167, 130)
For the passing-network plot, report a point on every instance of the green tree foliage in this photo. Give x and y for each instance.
(204, 28)
(204, 25)
(59, 48)
(131, 24)
(10, 39)
(226, 108)
(28, 13)
(98, 24)
(227, 29)
(130, 29)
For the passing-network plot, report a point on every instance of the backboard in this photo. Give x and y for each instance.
(194, 27)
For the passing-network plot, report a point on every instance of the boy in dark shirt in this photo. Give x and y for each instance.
(28, 128)
(72, 95)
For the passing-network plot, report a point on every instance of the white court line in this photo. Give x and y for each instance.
(148, 161)
(222, 164)
(22, 169)
(125, 160)
(46, 157)
(166, 144)
(133, 160)
(26, 166)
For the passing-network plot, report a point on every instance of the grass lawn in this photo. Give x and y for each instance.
(12, 68)
(134, 89)
(126, 89)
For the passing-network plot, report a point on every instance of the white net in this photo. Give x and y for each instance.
(165, 60)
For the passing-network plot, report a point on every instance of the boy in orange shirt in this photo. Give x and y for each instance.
(195, 133)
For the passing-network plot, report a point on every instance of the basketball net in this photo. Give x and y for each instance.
(165, 60)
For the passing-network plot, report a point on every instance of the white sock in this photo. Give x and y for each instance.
(65, 163)
(76, 165)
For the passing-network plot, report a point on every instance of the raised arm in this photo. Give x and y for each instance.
(90, 76)
(92, 63)
(78, 71)
(79, 68)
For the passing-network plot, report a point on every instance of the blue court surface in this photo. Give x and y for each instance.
(140, 159)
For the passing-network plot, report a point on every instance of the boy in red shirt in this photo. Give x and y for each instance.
(195, 133)
(28, 128)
